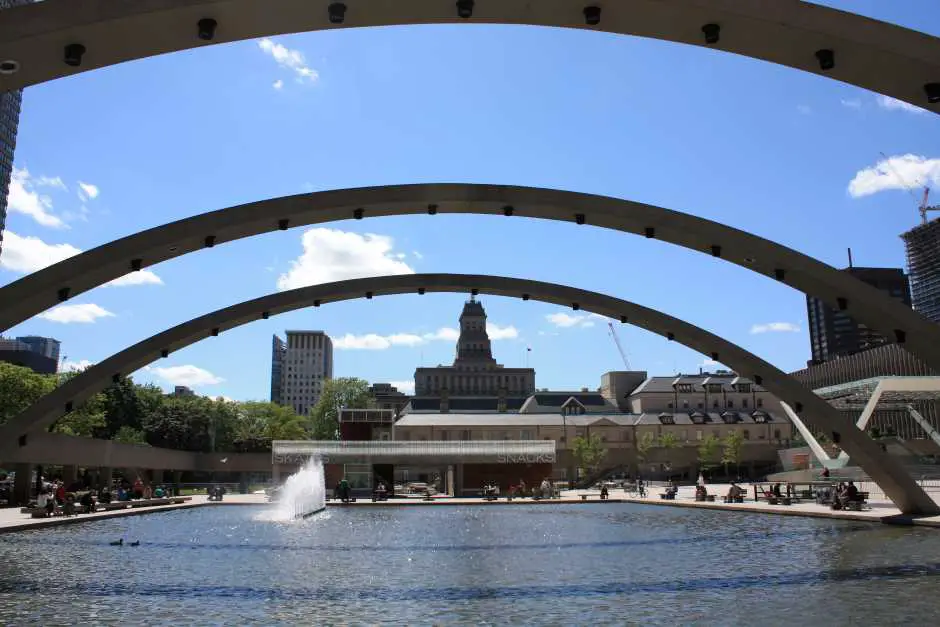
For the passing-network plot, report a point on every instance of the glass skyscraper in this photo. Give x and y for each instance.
(9, 121)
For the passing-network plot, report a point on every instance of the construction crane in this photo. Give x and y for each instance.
(922, 203)
(623, 354)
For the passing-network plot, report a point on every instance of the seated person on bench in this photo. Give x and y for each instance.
(734, 492)
(700, 493)
(604, 493)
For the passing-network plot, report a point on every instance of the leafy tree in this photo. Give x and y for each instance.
(709, 452)
(180, 423)
(130, 435)
(84, 421)
(732, 449)
(259, 423)
(20, 387)
(342, 393)
(668, 441)
(644, 445)
(588, 452)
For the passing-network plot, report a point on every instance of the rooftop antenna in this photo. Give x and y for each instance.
(850, 257)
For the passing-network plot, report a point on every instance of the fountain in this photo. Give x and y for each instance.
(303, 494)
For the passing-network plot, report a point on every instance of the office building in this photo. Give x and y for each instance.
(387, 396)
(306, 364)
(922, 244)
(40, 354)
(181, 391)
(278, 351)
(9, 123)
(834, 334)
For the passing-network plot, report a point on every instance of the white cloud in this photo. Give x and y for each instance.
(142, 277)
(898, 172)
(289, 59)
(29, 254)
(24, 199)
(406, 387)
(83, 314)
(188, 375)
(497, 332)
(376, 342)
(709, 363)
(893, 104)
(775, 327)
(87, 191)
(334, 255)
(851, 103)
(278, 84)
(566, 321)
(50, 181)
(75, 366)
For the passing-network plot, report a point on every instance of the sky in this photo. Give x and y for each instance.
(789, 156)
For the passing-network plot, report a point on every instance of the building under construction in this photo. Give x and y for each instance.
(923, 261)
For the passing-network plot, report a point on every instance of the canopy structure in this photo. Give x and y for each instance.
(398, 452)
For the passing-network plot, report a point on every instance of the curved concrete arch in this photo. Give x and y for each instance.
(886, 471)
(882, 57)
(34, 293)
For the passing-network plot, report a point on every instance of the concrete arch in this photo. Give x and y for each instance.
(60, 38)
(34, 293)
(886, 471)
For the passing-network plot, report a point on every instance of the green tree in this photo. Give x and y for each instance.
(644, 445)
(732, 449)
(19, 388)
(342, 393)
(709, 452)
(668, 441)
(130, 435)
(181, 423)
(589, 452)
(259, 423)
(84, 421)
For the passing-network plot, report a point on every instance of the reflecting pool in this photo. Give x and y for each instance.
(561, 565)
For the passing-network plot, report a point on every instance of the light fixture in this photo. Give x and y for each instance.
(842, 302)
(579, 218)
(525, 297)
(137, 264)
(900, 336)
(758, 379)
(357, 214)
(650, 232)
(265, 315)
(316, 303)
(210, 241)
(780, 274)
(9, 66)
(712, 33)
(68, 407)
(283, 224)
(368, 294)
(206, 28)
(714, 356)
(164, 353)
(432, 210)
(64, 294)
(592, 15)
(716, 251)
(933, 92)
(73, 54)
(826, 58)
(465, 9)
(337, 12)
(623, 319)
(215, 332)
(508, 210)
(421, 291)
(116, 377)
(670, 336)
(575, 306)
(474, 292)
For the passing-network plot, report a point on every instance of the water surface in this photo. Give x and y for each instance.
(555, 565)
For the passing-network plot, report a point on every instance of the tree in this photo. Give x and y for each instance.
(130, 435)
(19, 388)
(588, 452)
(668, 441)
(84, 421)
(342, 393)
(644, 445)
(259, 423)
(732, 449)
(709, 452)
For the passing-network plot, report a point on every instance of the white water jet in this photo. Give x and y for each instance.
(303, 494)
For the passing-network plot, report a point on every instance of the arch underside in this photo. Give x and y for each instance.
(875, 55)
(41, 290)
(886, 471)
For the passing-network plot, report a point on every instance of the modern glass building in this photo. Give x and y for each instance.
(923, 264)
(9, 122)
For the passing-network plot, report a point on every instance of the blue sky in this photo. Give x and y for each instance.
(760, 147)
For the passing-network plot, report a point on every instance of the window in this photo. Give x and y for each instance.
(701, 405)
(714, 388)
(744, 403)
(626, 436)
(715, 405)
(684, 387)
(685, 404)
(669, 406)
(698, 434)
(746, 434)
(776, 434)
(760, 402)
(526, 435)
(730, 403)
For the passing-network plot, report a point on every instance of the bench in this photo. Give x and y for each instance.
(856, 504)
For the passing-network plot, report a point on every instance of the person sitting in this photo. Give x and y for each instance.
(105, 495)
(701, 494)
(735, 494)
(42, 500)
(68, 509)
(381, 493)
(159, 493)
(776, 490)
(87, 502)
(851, 492)
(148, 492)
(604, 493)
